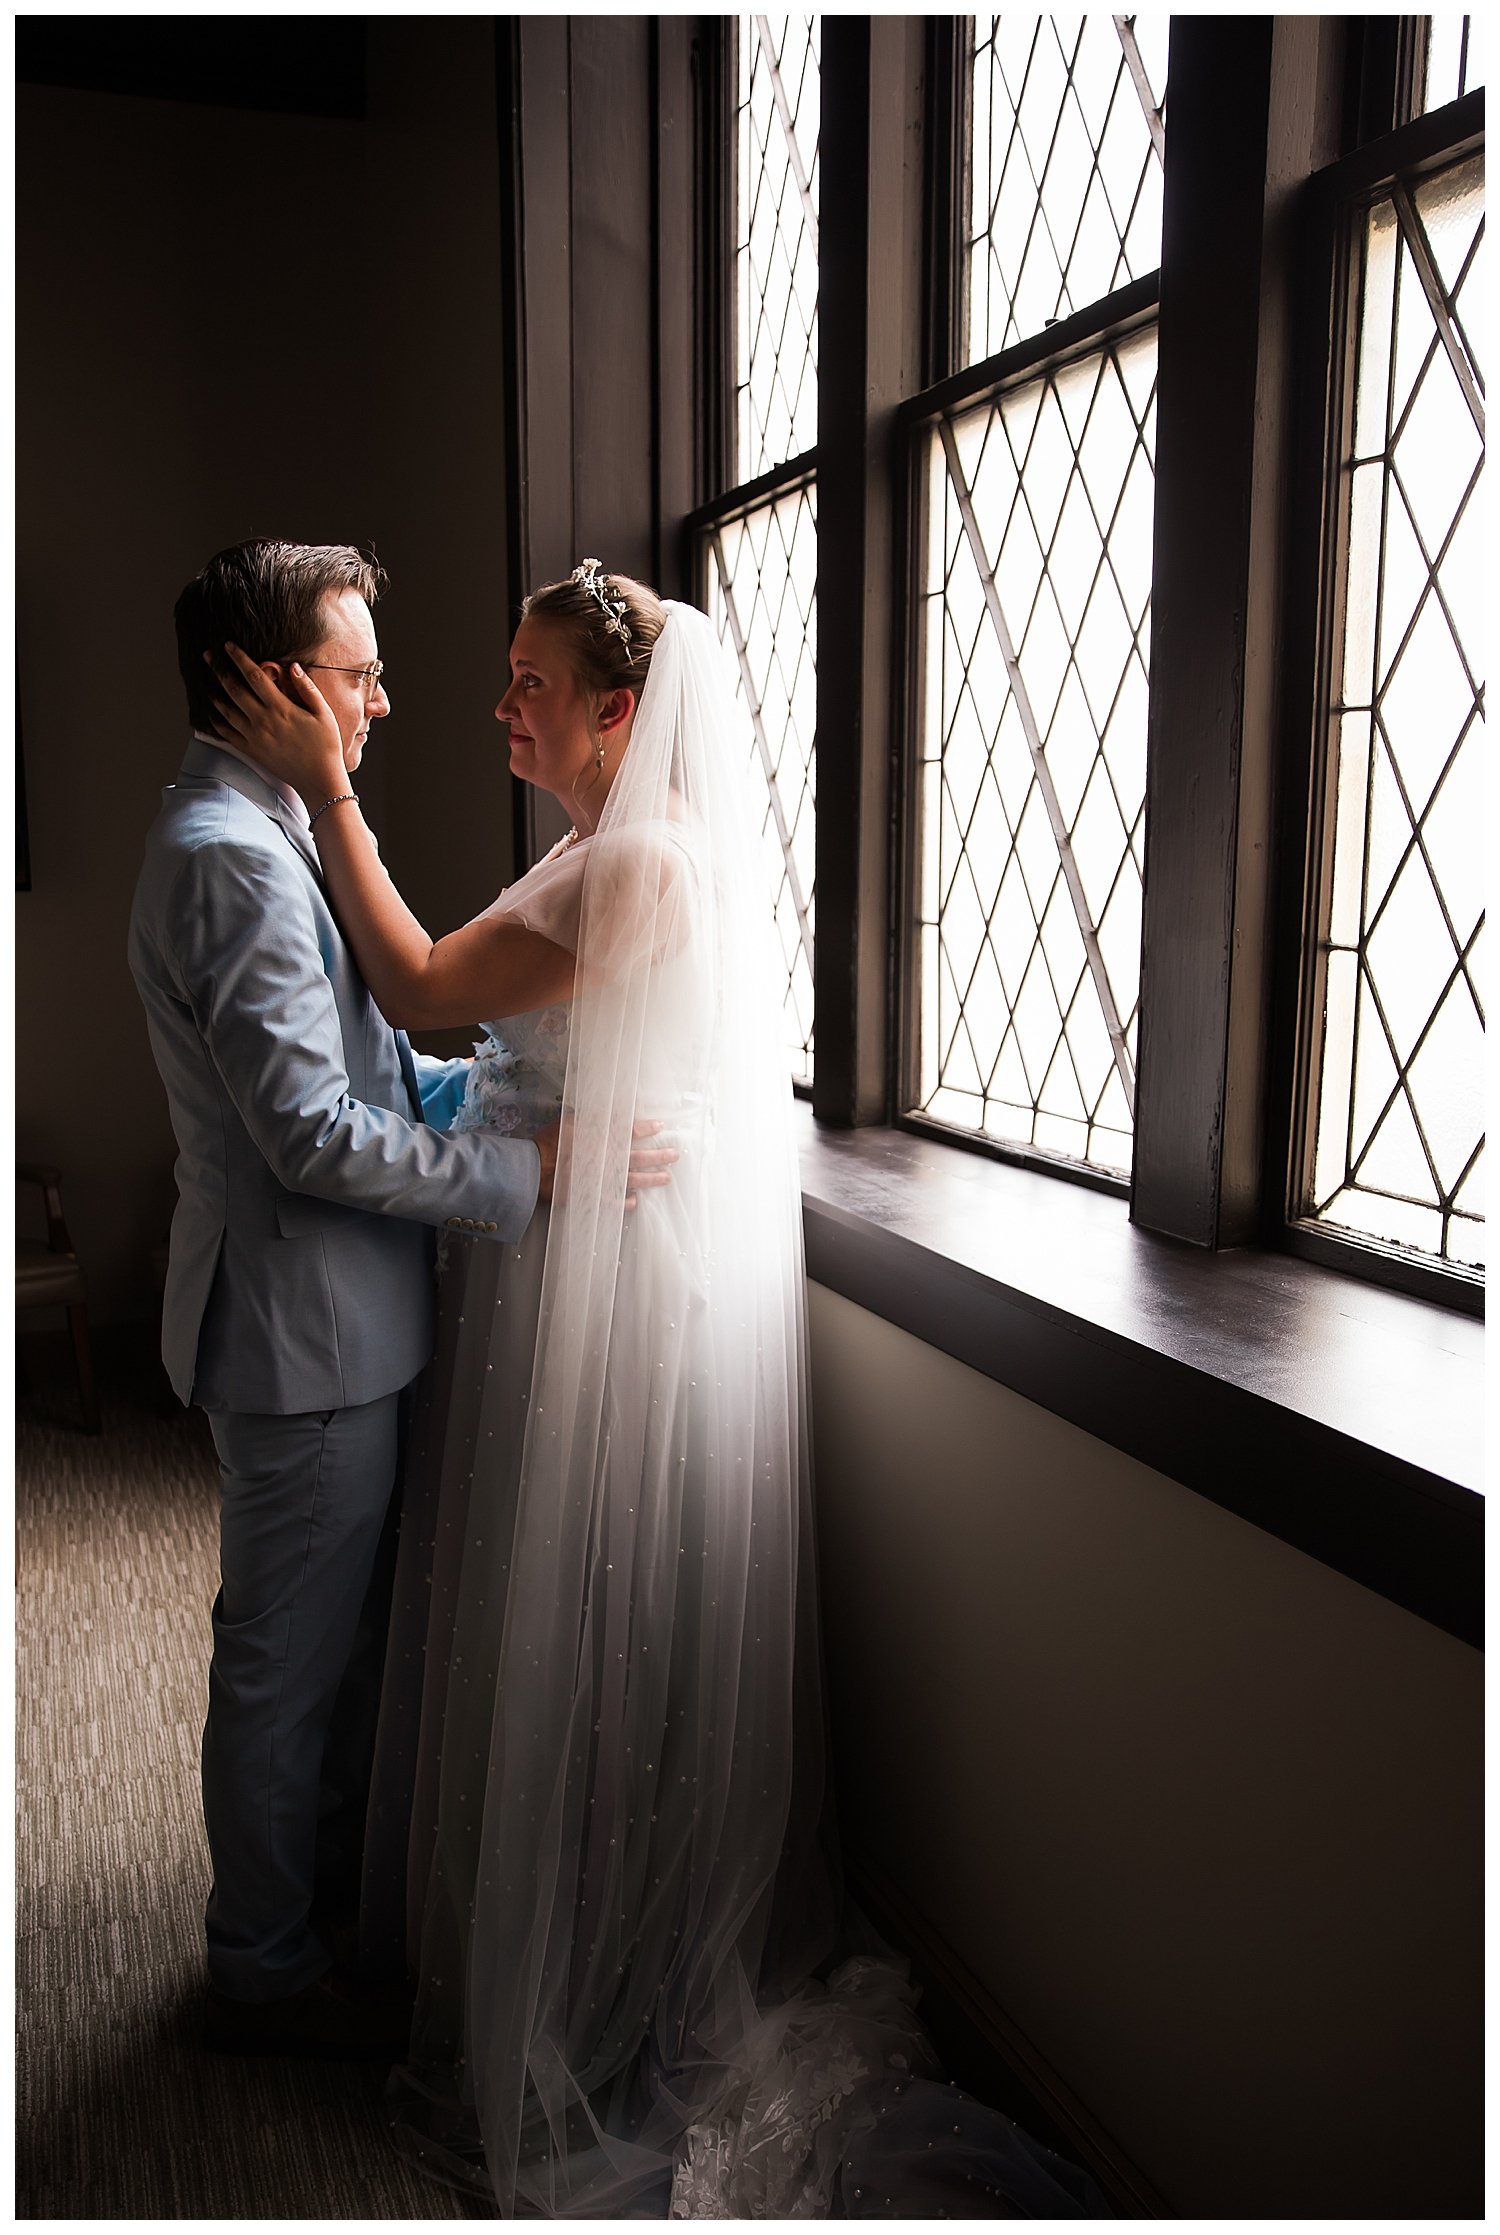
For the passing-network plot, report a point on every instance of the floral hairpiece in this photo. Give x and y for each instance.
(591, 576)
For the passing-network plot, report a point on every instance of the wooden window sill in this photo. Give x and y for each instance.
(1343, 1418)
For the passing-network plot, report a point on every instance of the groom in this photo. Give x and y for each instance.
(312, 1164)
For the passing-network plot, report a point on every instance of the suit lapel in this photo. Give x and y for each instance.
(204, 760)
(409, 1073)
(300, 836)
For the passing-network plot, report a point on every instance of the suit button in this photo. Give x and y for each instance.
(489, 1226)
(455, 1222)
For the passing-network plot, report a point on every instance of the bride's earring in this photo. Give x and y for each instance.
(599, 754)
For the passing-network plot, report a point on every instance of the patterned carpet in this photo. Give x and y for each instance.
(119, 2112)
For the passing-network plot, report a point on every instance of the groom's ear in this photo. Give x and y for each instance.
(279, 672)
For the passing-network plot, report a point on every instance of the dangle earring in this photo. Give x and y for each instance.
(580, 794)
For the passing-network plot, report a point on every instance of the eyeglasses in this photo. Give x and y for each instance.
(369, 676)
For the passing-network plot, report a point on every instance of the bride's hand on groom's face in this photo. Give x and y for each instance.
(282, 720)
(650, 1163)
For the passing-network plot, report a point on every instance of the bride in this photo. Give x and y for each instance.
(620, 1881)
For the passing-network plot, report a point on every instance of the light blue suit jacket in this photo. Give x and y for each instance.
(300, 1272)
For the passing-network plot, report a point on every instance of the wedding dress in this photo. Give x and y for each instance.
(620, 1879)
(619, 1873)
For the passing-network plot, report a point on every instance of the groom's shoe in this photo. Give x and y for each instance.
(321, 2021)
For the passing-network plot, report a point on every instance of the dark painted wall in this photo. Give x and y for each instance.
(232, 323)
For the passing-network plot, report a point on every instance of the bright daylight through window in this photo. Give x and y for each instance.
(1035, 636)
(1454, 59)
(762, 556)
(1398, 1155)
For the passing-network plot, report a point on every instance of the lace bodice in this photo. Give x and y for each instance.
(516, 1083)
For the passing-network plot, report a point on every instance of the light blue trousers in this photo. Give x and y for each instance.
(299, 1633)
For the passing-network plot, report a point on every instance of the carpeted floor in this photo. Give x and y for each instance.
(119, 2112)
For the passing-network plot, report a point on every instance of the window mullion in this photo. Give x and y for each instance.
(1252, 112)
(715, 53)
(871, 323)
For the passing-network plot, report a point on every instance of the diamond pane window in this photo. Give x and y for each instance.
(1068, 138)
(776, 250)
(1033, 757)
(762, 579)
(1400, 1118)
(1455, 58)
(760, 559)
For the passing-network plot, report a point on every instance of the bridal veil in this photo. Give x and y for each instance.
(647, 1871)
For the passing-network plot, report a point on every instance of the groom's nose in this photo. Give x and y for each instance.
(380, 703)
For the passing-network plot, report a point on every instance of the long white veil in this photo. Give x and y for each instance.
(650, 1864)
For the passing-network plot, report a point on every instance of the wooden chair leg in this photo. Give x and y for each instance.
(78, 1320)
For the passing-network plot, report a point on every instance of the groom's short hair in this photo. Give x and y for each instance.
(266, 597)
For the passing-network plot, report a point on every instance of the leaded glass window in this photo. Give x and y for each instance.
(776, 249)
(1034, 770)
(1399, 1120)
(1068, 140)
(763, 599)
(760, 555)
(1455, 58)
(1035, 630)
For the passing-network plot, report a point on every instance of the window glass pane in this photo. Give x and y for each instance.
(1066, 167)
(1033, 757)
(762, 596)
(776, 246)
(1455, 59)
(761, 568)
(1400, 1119)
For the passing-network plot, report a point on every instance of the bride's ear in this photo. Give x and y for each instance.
(615, 709)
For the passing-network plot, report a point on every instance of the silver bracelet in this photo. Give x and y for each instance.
(336, 801)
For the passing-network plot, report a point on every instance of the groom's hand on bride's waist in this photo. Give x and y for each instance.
(650, 1164)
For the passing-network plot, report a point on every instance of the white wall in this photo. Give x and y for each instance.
(1203, 1816)
(233, 324)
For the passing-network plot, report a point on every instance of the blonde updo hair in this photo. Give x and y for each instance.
(610, 625)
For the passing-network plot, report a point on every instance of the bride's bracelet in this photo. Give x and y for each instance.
(337, 800)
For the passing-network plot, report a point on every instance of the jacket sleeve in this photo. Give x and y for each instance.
(244, 948)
